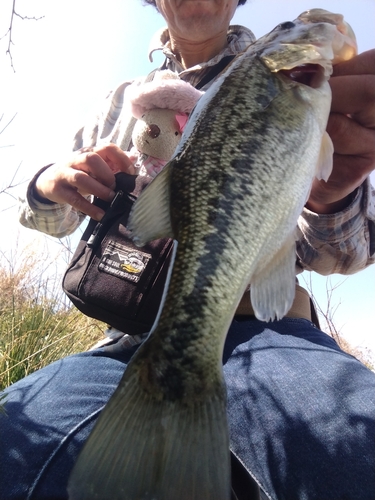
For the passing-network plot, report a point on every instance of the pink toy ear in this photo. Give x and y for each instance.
(181, 120)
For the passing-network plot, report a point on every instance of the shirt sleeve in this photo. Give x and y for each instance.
(106, 125)
(341, 243)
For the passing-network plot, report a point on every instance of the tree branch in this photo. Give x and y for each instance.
(10, 121)
(11, 184)
(9, 33)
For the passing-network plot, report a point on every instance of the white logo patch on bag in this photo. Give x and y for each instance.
(124, 262)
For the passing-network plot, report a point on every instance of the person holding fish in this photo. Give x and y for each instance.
(296, 412)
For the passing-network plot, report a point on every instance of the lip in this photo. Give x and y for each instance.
(311, 75)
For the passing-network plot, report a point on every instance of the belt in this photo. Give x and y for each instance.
(301, 307)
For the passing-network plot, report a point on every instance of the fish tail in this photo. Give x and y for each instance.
(147, 447)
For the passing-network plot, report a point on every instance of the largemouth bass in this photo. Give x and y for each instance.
(230, 197)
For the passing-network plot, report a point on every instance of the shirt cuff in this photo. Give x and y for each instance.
(333, 228)
(35, 201)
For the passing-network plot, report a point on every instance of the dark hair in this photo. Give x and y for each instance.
(153, 2)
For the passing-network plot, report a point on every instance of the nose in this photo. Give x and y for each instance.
(153, 131)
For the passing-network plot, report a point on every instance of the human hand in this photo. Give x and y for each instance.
(89, 173)
(351, 126)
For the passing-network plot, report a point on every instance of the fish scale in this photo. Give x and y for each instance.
(231, 198)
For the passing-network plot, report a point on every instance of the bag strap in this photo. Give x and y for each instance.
(214, 71)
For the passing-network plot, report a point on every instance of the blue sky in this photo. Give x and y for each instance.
(68, 61)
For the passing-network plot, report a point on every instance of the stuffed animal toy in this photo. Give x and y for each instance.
(162, 108)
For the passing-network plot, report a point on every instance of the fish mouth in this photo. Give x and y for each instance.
(311, 75)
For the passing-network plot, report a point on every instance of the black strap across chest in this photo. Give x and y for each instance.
(214, 71)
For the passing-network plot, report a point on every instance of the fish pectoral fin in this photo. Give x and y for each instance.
(325, 161)
(272, 288)
(147, 446)
(150, 217)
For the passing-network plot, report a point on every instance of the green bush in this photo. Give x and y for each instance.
(36, 325)
(37, 334)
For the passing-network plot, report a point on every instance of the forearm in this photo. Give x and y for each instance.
(343, 242)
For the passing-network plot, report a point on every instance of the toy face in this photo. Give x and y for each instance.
(157, 133)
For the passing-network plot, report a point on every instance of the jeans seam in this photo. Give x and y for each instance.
(256, 479)
(58, 448)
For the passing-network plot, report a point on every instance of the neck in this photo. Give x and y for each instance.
(190, 53)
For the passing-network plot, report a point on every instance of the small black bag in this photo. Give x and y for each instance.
(111, 279)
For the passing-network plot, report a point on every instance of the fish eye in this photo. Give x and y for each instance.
(176, 133)
(286, 26)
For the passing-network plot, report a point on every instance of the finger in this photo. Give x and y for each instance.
(351, 138)
(362, 64)
(85, 184)
(116, 159)
(80, 203)
(347, 175)
(96, 168)
(355, 96)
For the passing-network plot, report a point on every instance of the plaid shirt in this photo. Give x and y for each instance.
(338, 243)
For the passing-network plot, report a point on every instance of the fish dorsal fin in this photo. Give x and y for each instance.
(272, 289)
(325, 161)
(150, 217)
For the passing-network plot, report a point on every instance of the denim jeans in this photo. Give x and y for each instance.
(301, 415)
